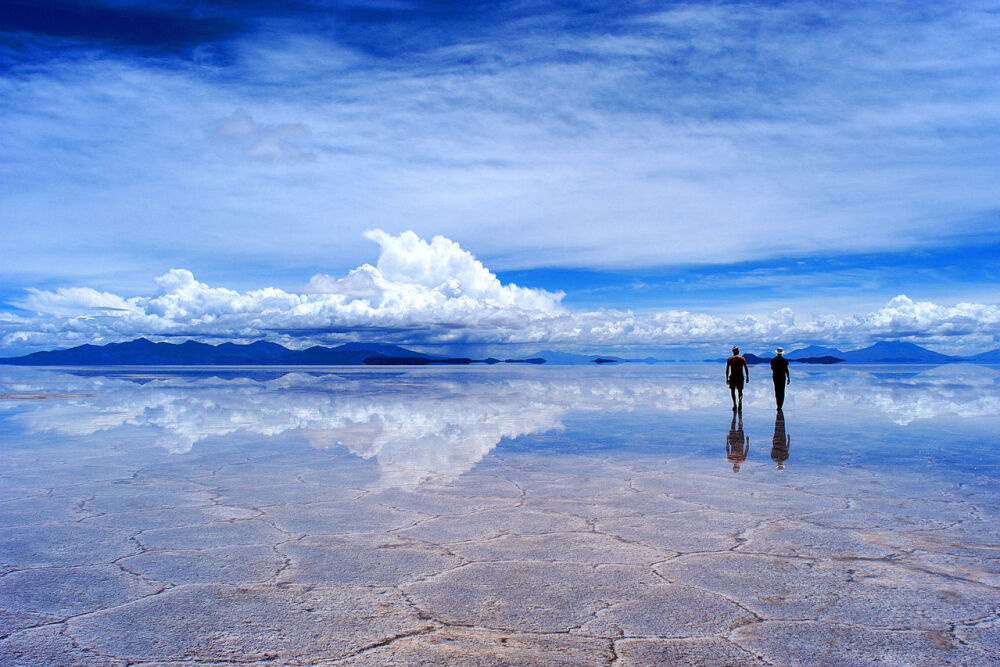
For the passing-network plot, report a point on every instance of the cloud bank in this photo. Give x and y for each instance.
(437, 293)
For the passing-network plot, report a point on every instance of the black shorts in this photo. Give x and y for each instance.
(736, 382)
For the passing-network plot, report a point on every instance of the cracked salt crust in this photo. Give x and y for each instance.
(259, 552)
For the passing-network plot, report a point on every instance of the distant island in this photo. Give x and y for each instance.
(143, 352)
(884, 352)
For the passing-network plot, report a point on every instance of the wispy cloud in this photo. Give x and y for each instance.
(269, 143)
(540, 134)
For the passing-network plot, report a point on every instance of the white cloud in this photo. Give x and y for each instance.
(74, 301)
(701, 134)
(904, 315)
(361, 283)
(423, 292)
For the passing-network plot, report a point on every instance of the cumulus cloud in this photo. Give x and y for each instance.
(422, 292)
(431, 292)
(360, 283)
(904, 316)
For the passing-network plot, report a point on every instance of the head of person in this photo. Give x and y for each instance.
(736, 467)
(736, 350)
(780, 351)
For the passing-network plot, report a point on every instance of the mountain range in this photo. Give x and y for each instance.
(143, 352)
(884, 352)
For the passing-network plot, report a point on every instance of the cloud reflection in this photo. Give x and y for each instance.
(419, 426)
(415, 427)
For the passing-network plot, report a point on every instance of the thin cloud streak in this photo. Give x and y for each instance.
(705, 133)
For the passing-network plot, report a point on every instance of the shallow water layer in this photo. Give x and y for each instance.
(498, 515)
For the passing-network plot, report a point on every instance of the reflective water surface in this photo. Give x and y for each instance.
(453, 504)
(428, 423)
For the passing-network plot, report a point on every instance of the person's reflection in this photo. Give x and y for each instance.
(737, 445)
(781, 441)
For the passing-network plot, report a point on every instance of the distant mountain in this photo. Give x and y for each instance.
(826, 359)
(143, 352)
(568, 358)
(813, 358)
(885, 352)
(351, 353)
(753, 360)
(991, 357)
(812, 351)
(379, 360)
(895, 352)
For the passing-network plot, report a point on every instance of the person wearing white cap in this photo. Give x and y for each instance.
(779, 373)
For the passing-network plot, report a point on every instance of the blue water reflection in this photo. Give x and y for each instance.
(438, 423)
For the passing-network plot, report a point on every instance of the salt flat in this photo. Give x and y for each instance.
(496, 516)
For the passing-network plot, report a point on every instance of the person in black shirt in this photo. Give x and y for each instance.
(779, 373)
(780, 441)
(736, 368)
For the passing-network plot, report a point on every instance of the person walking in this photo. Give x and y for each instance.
(779, 373)
(736, 368)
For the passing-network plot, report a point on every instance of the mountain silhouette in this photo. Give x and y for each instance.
(883, 352)
(990, 357)
(895, 352)
(570, 359)
(813, 351)
(143, 352)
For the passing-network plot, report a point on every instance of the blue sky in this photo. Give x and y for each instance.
(799, 164)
